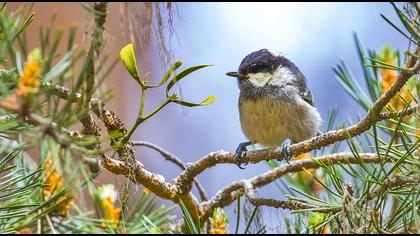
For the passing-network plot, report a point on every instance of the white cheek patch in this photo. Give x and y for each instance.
(259, 79)
(282, 75)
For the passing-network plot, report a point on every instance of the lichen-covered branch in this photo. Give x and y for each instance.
(174, 159)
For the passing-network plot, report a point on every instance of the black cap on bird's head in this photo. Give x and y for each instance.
(261, 61)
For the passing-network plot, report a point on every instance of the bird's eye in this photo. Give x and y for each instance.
(253, 68)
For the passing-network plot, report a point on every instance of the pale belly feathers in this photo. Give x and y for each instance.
(269, 122)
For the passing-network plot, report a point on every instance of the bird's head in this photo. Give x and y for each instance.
(261, 68)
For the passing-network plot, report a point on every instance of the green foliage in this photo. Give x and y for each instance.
(238, 214)
(248, 224)
(351, 85)
(192, 225)
(413, 27)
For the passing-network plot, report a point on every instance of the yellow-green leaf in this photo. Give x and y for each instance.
(206, 102)
(129, 59)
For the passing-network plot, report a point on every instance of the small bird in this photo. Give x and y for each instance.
(276, 108)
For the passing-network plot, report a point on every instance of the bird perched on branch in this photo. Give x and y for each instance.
(276, 107)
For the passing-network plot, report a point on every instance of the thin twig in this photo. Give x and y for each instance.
(414, 109)
(395, 181)
(167, 155)
(251, 195)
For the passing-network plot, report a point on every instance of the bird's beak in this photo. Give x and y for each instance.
(237, 75)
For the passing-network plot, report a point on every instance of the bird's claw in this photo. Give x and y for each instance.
(238, 160)
(239, 153)
(285, 148)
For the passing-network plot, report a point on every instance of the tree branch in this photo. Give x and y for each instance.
(229, 193)
(172, 158)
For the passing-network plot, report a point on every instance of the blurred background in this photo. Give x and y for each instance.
(315, 36)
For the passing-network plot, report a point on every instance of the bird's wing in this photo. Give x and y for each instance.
(306, 95)
(303, 91)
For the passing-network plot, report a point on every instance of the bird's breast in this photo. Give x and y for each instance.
(269, 121)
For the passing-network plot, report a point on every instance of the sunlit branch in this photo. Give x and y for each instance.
(172, 158)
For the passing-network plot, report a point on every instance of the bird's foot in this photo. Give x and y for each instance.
(285, 149)
(239, 152)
